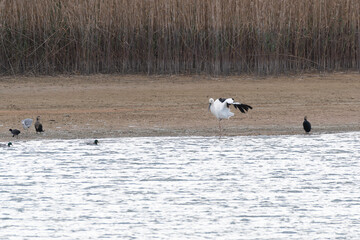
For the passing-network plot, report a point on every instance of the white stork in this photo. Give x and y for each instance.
(220, 108)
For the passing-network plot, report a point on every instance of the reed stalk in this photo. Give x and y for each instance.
(178, 36)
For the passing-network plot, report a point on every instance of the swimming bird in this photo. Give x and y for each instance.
(306, 125)
(14, 132)
(27, 123)
(38, 125)
(6, 145)
(220, 108)
(93, 143)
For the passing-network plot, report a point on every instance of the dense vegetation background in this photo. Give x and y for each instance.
(178, 36)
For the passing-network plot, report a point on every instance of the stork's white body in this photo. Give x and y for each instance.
(221, 109)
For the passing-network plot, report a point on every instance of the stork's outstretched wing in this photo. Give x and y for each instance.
(242, 107)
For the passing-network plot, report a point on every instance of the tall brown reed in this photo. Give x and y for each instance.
(178, 36)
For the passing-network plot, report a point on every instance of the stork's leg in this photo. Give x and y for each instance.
(220, 128)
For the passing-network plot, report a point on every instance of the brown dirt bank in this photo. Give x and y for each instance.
(116, 106)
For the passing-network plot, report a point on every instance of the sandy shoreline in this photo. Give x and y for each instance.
(102, 106)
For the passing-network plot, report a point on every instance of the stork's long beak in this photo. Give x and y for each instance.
(209, 107)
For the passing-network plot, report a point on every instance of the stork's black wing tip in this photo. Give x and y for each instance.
(242, 107)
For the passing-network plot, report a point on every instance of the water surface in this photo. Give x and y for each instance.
(252, 187)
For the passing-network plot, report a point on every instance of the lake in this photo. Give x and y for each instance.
(246, 187)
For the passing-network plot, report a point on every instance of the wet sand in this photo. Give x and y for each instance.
(105, 106)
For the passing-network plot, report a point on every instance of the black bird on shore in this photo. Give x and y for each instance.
(14, 132)
(38, 125)
(306, 125)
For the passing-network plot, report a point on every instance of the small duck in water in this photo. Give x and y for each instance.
(6, 145)
(93, 143)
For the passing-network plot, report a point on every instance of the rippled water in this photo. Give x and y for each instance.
(255, 187)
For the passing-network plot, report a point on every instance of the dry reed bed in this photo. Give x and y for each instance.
(178, 36)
